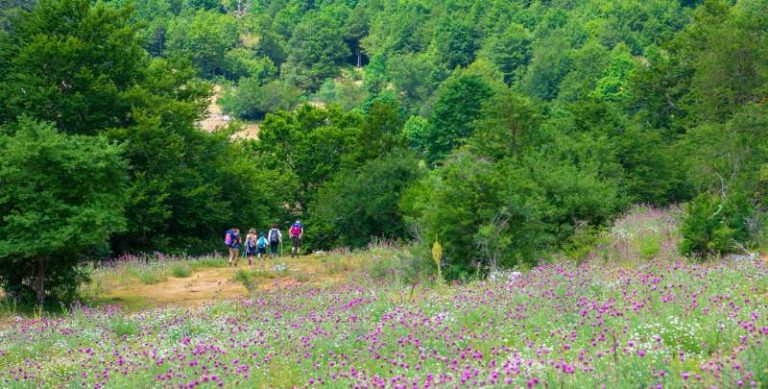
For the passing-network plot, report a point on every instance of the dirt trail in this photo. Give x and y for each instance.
(214, 284)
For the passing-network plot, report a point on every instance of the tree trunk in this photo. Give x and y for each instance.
(40, 280)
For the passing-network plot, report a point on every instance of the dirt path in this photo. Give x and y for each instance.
(214, 284)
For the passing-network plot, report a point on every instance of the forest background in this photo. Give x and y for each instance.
(505, 130)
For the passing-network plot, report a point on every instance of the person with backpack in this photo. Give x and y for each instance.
(261, 246)
(275, 240)
(232, 241)
(250, 245)
(296, 233)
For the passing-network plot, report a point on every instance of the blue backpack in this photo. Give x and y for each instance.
(228, 238)
(262, 242)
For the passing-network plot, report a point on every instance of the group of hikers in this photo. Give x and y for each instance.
(256, 245)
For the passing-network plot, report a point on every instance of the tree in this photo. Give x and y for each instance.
(358, 205)
(455, 44)
(252, 100)
(459, 103)
(510, 51)
(504, 126)
(62, 197)
(313, 144)
(550, 62)
(415, 77)
(415, 131)
(315, 51)
(71, 64)
(241, 62)
(204, 37)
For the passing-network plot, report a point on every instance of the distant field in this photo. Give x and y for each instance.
(675, 324)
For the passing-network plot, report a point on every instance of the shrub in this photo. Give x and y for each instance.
(649, 247)
(714, 225)
(252, 100)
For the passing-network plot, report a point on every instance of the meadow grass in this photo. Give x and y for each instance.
(670, 323)
(634, 316)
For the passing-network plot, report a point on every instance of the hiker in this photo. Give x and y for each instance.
(296, 233)
(233, 242)
(250, 245)
(261, 246)
(275, 240)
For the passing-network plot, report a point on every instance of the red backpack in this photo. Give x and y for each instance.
(295, 230)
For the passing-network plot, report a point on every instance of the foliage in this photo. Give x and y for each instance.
(61, 199)
(315, 50)
(71, 64)
(204, 37)
(252, 99)
(714, 225)
(458, 105)
(358, 205)
(348, 93)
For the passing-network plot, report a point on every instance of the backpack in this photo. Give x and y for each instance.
(274, 235)
(296, 230)
(261, 243)
(228, 238)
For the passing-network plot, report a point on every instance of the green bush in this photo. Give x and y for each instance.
(713, 225)
(252, 99)
(649, 246)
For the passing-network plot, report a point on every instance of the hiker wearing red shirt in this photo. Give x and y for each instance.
(296, 233)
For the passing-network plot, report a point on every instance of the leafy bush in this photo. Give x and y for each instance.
(252, 99)
(649, 247)
(356, 206)
(715, 225)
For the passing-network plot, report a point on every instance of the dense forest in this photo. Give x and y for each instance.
(505, 130)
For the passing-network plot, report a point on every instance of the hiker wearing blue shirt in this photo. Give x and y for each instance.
(261, 246)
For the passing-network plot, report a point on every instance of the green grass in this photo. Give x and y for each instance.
(151, 276)
(207, 262)
(181, 270)
(122, 326)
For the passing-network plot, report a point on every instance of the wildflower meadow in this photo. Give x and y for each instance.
(657, 324)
